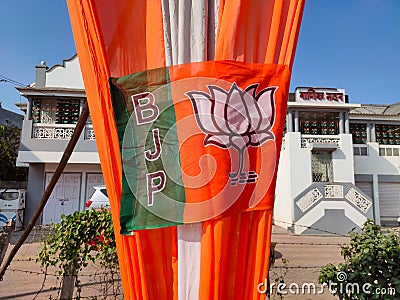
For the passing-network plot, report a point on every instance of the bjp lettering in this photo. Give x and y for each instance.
(146, 111)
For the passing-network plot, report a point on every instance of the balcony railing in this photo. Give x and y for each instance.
(89, 133)
(58, 131)
(321, 191)
(320, 139)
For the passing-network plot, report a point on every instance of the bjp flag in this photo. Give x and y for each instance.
(188, 101)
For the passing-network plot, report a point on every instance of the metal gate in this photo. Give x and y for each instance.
(366, 187)
(389, 202)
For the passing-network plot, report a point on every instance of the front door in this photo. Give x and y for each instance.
(64, 199)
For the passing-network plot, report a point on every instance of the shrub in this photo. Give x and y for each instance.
(78, 239)
(372, 265)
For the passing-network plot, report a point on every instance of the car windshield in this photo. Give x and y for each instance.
(104, 191)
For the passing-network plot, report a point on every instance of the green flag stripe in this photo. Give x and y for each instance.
(135, 139)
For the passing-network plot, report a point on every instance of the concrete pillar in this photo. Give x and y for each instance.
(368, 133)
(289, 124)
(346, 122)
(81, 105)
(35, 188)
(373, 134)
(82, 200)
(375, 189)
(28, 115)
(341, 123)
(296, 121)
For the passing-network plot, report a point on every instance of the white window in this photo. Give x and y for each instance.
(360, 150)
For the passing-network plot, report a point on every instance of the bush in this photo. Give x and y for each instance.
(372, 266)
(78, 239)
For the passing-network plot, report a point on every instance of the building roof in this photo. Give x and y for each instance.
(51, 91)
(8, 117)
(393, 109)
(378, 109)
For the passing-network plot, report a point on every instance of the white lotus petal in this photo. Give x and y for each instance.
(217, 140)
(252, 107)
(202, 105)
(236, 111)
(260, 137)
(251, 89)
(220, 98)
(265, 101)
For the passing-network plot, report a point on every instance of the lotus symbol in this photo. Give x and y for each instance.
(236, 118)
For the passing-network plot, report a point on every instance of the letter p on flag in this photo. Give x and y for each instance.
(153, 188)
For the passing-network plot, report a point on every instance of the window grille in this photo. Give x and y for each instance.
(387, 134)
(359, 133)
(319, 123)
(55, 111)
(321, 164)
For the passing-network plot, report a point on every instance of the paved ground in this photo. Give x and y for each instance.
(24, 279)
(305, 254)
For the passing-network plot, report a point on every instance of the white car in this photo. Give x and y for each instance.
(12, 203)
(99, 198)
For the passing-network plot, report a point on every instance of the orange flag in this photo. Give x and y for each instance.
(188, 101)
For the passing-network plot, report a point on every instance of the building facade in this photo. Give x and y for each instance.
(339, 163)
(55, 101)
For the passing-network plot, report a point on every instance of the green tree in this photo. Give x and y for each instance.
(9, 145)
(372, 265)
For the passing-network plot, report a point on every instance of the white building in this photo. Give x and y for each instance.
(55, 101)
(339, 163)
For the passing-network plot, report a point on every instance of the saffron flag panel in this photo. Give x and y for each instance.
(198, 141)
(130, 36)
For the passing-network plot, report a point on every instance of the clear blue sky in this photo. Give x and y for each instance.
(353, 45)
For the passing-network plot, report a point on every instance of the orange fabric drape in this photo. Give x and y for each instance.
(263, 32)
(126, 37)
(113, 52)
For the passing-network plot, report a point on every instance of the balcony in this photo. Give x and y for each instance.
(45, 143)
(59, 131)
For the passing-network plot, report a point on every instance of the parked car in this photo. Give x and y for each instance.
(12, 204)
(99, 198)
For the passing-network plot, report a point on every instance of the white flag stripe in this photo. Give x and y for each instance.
(189, 36)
